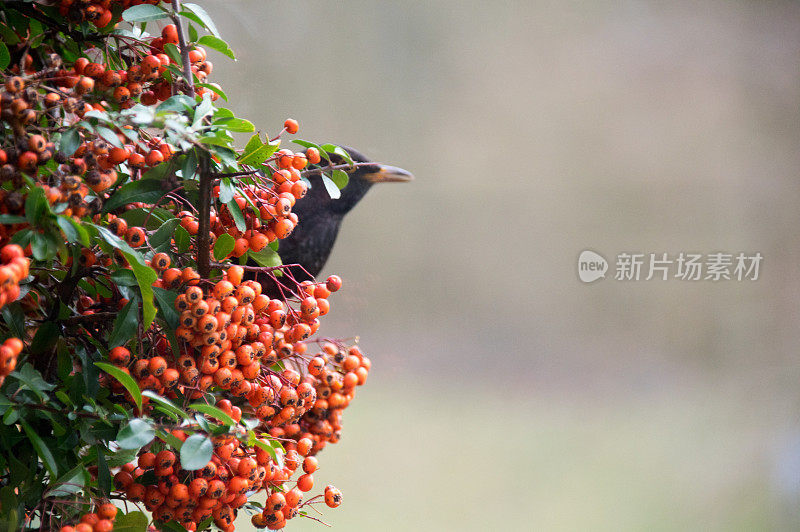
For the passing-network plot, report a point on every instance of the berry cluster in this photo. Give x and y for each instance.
(101, 520)
(14, 268)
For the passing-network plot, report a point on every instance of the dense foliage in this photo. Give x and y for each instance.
(148, 377)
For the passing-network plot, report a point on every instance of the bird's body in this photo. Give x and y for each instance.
(320, 218)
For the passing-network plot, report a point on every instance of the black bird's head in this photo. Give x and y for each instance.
(362, 177)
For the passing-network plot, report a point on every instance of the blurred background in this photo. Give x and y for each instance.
(505, 394)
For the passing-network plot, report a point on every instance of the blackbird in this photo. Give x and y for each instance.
(307, 248)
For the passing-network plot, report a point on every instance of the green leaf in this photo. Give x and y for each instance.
(266, 257)
(45, 338)
(205, 108)
(164, 233)
(73, 231)
(214, 88)
(167, 437)
(224, 246)
(239, 125)
(214, 412)
(31, 379)
(144, 190)
(109, 136)
(276, 451)
(11, 219)
(340, 178)
(259, 155)
(189, 166)
(182, 239)
(124, 379)
(136, 434)
(70, 482)
(196, 452)
(203, 18)
(192, 32)
(167, 404)
(145, 275)
(70, 141)
(179, 102)
(338, 150)
(41, 449)
(132, 521)
(307, 144)
(36, 206)
(226, 190)
(172, 51)
(330, 186)
(143, 13)
(5, 57)
(166, 302)
(215, 43)
(238, 217)
(124, 277)
(126, 324)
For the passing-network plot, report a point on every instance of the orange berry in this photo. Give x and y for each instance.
(291, 126)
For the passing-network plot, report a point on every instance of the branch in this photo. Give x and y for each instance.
(187, 65)
(203, 237)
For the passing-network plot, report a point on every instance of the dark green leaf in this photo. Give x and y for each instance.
(70, 482)
(166, 302)
(143, 13)
(238, 217)
(223, 246)
(203, 18)
(144, 190)
(73, 231)
(124, 277)
(125, 325)
(164, 233)
(145, 275)
(70, 141)
(135, 434)
(31, 379)
(196, 452)
(330, 186)
(41, 449)
(5, 57)
(215, 43)
(126, 380)
(11, 219)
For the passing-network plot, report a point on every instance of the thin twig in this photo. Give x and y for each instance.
(187, 65)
